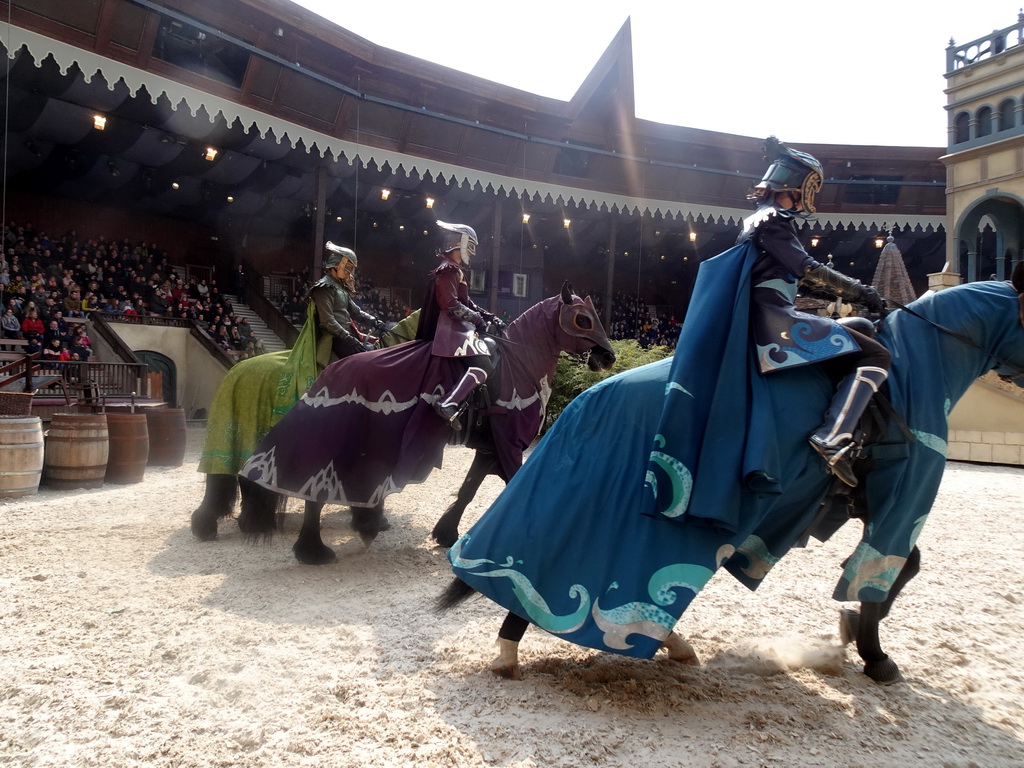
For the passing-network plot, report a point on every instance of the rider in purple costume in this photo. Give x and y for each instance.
(785, 337)
(454, 322)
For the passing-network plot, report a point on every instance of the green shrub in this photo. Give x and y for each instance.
(573, 376)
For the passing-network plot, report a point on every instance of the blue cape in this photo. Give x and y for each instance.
(705, 432)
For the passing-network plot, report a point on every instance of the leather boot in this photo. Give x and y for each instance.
(452, 404)
(834, 439)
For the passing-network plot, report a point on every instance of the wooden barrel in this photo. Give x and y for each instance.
(166, 436)
(77, 447)
(21, 456)
(129, 447)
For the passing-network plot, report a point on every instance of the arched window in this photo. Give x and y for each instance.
(962, 128)
(984, 122)
(1006, 118)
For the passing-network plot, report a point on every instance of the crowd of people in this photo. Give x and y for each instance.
(47, 283)
(631, 318)
(369, 298)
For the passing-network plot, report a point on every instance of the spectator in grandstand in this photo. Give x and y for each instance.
(54, 353)
(32, 327)
(158, 304)
(237, 342)
(90, 303)
(81, 343)
(72, 303)
(9, 324)
(241, 281)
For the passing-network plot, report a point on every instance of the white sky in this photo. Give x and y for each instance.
(855, 72)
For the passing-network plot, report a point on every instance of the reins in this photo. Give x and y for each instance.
(965, 339)
(497, 338)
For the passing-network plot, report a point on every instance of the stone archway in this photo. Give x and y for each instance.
(159, 363)
(992, 255)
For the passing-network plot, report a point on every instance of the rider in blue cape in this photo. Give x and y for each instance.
(743, 320)
(604, 541)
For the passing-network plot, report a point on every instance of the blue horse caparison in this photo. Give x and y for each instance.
(576, 545)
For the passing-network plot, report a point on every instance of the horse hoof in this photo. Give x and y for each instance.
(508, 672)
(849, 624)
(444, 538)
(680, 651)
(368, 523)
(319, 556)
(203, 530)
(885, 672)
(689, 660)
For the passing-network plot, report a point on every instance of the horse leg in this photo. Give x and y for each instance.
(369, 521)
(446, 531)
(258, 518)
(680, 650)
(309, 548)
(862, 626)
(218, 501)
(511, 632)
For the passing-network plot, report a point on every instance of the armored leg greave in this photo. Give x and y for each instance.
(450, 406)
(834, 439)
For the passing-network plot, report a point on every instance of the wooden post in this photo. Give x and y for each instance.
(610, 281)
(495, 256)
(319, 209)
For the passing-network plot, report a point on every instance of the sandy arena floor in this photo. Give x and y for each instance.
(124, 642)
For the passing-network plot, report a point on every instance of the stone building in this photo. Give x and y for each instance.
(985, 157)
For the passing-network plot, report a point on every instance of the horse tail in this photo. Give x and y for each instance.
(454, 594)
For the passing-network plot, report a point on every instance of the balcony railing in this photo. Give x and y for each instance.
(960, 56)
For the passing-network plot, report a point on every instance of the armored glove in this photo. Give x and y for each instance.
(348, 344)
(838, 284)
(462, 312)
(871, 299)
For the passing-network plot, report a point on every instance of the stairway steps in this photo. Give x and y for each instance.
(271, 341)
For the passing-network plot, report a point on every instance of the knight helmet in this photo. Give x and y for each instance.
(790, 171)
(461, 236)
(337, 254)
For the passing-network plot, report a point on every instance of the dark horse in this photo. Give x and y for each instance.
(367, 428)
(253, 395)
(567, 545)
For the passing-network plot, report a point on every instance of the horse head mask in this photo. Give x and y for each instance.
(578, 318)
